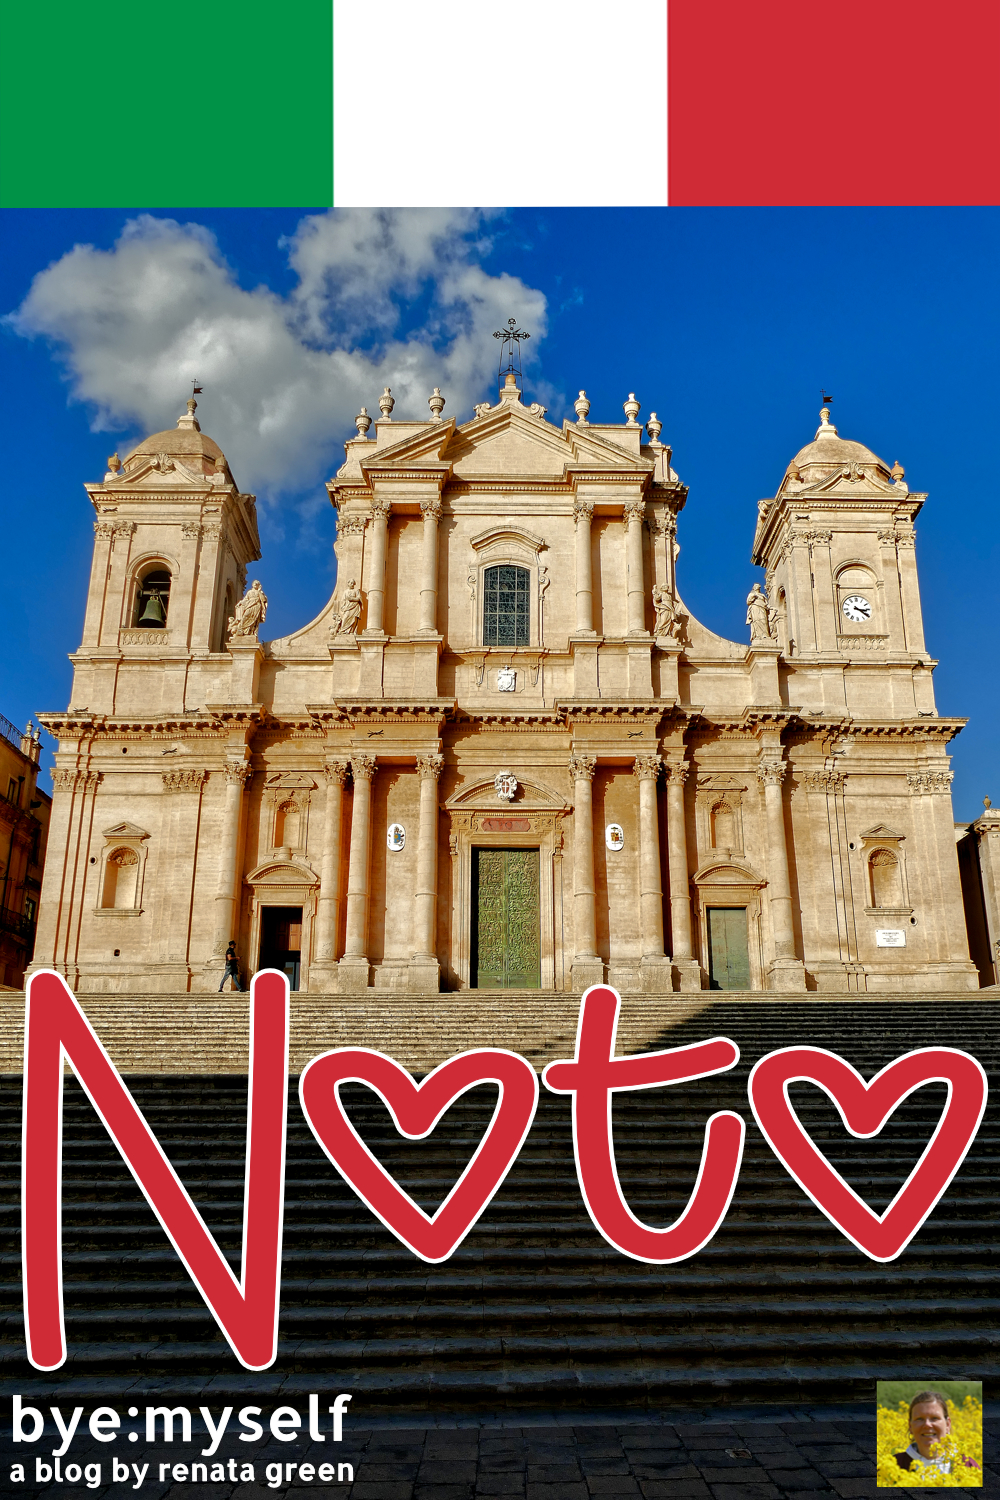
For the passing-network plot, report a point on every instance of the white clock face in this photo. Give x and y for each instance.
(857, 609)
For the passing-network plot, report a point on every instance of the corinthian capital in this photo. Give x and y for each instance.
(380, 508)
(634, 512)
(237, 772)
(430, 766)
(431, 506)
(677, 771)
(582, 767)
(335, 772)
(771, 772)
(647, 767)
(363, 767)
(583, 510)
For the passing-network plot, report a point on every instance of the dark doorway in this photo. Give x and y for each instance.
(506, 924)
(728, 955)
(281, 941)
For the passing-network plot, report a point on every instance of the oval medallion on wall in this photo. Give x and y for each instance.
(614, 836)
(395, 836)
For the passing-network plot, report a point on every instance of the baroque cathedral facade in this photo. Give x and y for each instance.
(505, 755)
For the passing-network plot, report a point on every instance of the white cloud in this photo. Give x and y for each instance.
(284, 376)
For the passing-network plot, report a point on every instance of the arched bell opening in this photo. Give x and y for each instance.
(152, 598)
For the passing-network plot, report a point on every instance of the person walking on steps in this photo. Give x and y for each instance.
(232, 967)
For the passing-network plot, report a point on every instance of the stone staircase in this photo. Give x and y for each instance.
(535, 1310)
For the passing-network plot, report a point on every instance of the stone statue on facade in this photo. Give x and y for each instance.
(759, 615)
(669, 619)
(251, 612)
(347, 617)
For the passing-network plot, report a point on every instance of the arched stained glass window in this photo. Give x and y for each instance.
(506, 606)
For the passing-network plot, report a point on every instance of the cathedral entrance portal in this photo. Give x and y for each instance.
(281, 941)
(728, 950)
(506, 920)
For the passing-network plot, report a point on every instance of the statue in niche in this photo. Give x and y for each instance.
(759, 615)
(348, 614)
(250, 612)
(669, 619)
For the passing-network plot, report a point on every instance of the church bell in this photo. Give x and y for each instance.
(153, 613)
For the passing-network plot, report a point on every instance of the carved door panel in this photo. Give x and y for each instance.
(728, 954)
(506, 932)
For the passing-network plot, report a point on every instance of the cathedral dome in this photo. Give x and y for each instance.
(828, 450)
(186, 441)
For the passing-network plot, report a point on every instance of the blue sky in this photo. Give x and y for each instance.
(726, 322)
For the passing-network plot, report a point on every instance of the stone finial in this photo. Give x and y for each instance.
(385, 404)
(582, 406)
(188, 420)
(220, 463)
(363, 421)
(436, 403)
(826, 427)
(987, 803)
(631, 408)
(794, 473)
(898, 472)
(114, 464)
(654, 427)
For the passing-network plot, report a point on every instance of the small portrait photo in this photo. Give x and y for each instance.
(929, 1433)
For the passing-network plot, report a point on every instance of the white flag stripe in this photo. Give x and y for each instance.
(561, 103)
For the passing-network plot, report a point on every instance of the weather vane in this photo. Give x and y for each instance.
(195, 387)
(511, 337)
(826, 399)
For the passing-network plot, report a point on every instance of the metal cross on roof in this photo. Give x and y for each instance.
(511, 347)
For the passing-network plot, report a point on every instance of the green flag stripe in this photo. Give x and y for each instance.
(138, 102)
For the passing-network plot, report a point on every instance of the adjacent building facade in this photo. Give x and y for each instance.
(24, 821)
(505, 755)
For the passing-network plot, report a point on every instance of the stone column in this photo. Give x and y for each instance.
(634, 581)
(587, 968)
(354, 968)
(656, 970)
(787, 972)
(828, 619)
(906, 542)
(425, 970)
(226, 914)
(115, 616)
(687, 967)
(583, 510)
(892, 598)
(97, 593)
(328, 911)
(431, 510)
(376, 574)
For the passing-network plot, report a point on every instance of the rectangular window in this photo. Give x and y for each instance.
(12, 791)
(506, 606)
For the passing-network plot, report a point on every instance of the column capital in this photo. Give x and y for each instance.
(634, 512)
(431, 506)
(583, 509)
(183, 781)
(582, 767)
(430, 766)
(677, 771)
(363, 767)
(380, 509)
(336, 772)
(771, 772)
(236, 772)
(647, 767)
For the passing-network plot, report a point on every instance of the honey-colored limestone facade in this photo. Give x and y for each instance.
(505, 755)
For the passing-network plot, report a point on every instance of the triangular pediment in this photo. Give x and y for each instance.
(883, 832)
(506, 439)
(125, 831)
(289, 779)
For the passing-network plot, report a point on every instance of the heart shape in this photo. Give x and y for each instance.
(864, 1109)
(416, 1110)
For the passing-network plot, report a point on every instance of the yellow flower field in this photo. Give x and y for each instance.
(964, 1441)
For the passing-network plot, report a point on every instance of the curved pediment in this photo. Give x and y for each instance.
(482, 796)
(726, 872)
(277, 872)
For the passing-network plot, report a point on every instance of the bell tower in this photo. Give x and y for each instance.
(837, 544)
(173, 538)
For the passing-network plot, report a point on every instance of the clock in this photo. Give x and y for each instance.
(857, 609)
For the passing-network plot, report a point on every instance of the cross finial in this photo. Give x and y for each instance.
(511, 338)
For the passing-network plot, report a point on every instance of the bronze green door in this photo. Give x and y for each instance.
(728, 956)
(506, 931)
